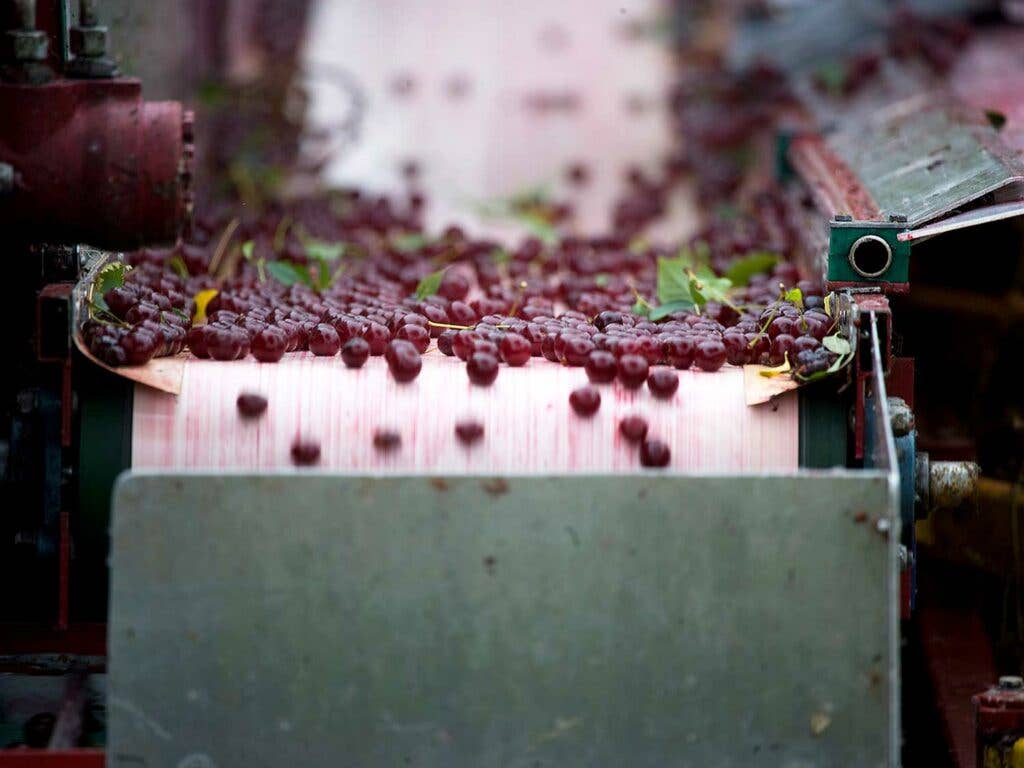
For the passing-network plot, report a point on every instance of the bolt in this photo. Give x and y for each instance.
(87, 16)
(89, 42)
(898, 218)
(25, 14)
(901, 418)
(6, 179)
(904, 555)
(950, 482)
(843, 217)
(1011, 682)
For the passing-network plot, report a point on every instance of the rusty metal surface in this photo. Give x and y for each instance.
(926, 157)
(642, 620)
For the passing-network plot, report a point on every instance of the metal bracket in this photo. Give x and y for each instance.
(868, 253)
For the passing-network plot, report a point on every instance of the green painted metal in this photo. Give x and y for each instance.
(783, 168)
(643, 619)
(824, 426)
(105, 451)
(923, 158)
(843, 235)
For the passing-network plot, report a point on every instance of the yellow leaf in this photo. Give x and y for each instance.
(202, 299)
(777, 370)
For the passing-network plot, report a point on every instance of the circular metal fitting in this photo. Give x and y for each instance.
(870, 256)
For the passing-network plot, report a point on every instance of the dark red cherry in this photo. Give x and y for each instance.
(251, 405)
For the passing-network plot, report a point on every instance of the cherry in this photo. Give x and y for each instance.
(782, 345)
(663, 382)
(482, 368)
(601, 367)
(633, 371)
(223, 344)
(444, 342)
(654, 453)
(585, 400)
(355, 351)
(515, 350)
(576, 349)
(678, 351)
(633, 428)
(140, 345)
(196, 340)
(377, 336)
(469, 431)
(710, 355)
(462, 343)
(305, 452)
(737, 350)
(386, 440)
(454, 285)
(269, 345)
(403, 360)
(415, 334)
(251, 405)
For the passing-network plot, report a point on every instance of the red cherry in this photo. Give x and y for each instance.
(585, 400)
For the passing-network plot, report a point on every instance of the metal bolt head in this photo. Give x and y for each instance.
(26, 46)
(90, 42)
(1011, 682)
(6, 179)
(898, 218)
(843, 217)
(901, 417)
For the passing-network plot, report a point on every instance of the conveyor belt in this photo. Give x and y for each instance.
(529, 425)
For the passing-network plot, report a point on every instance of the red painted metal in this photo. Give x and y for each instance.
(900, 382)
(52, 758)
(835, 187)
(78, 639)
(998, 718)
(64, 574)
(93, 164)
(960, 663)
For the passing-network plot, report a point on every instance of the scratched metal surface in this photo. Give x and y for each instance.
(924, 157)
(636, 620)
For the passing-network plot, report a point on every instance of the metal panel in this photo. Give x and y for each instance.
(924, 157)
(643, 620)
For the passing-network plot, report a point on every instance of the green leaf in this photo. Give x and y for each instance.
(110, 276)
(500, 256)
(753, 263)
(247, 248)
(428, 285)
(289, 273)
(539, 228)
(673, 281)
(836, 345)
(710, 286)
(796, 296)
(638, 244)
(178, 265)
(664, 310)
(407, 242)
(601, 280)
(641, 307)
(322, 250)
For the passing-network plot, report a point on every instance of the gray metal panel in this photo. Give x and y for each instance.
(924, 157)
(642, 620)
